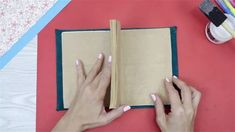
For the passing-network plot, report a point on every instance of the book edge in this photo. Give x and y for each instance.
(59, 70)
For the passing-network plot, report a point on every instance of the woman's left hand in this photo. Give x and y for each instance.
(87, 109)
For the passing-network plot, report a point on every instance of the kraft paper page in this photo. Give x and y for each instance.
(144, 61)
(83, 45)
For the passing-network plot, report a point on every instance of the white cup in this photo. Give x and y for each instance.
(219, 35)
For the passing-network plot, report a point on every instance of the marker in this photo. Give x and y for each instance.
(228, 4)
(232, 3)
(223, 6)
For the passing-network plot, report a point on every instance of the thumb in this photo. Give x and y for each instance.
(115, 113)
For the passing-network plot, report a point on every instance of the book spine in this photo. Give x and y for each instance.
(115, 29)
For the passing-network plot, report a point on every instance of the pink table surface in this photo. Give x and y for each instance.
(210, 68)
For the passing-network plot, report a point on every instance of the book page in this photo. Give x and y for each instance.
(145, 60)
(83, 45)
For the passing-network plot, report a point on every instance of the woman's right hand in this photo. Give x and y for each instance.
(183, 112)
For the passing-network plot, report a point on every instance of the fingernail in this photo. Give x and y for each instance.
(126, 108)
(153, 97)
(100, 56)
(77, 62)
(175, 77)
(167, 79)
(110, 59)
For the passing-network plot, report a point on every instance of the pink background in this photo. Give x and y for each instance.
(210, 68)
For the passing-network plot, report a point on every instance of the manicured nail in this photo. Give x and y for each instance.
(126, 108)
(153, 97)
(100, 56)
(77, 62)
(110, 59)
(167, 79)
(175, 77)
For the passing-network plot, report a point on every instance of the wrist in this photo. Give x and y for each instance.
(67, 123)
(176, 130)
(73, 124)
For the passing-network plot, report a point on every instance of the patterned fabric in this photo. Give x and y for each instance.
(16, 18)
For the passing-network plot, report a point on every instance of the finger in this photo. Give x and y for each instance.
(105, 71)
(196, 96)
(80, 80)
(80, 73)
(97, 79)
(105, 78)
(185, 92)
(159, 108)
(173, 95)
(95, 69)
(114, 114)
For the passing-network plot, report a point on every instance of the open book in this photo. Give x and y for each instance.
(141, 59)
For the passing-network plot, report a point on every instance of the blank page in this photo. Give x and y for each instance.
(85, 45)
(144, 62)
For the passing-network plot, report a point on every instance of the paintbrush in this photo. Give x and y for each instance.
(216, 16)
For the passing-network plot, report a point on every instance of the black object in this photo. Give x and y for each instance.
(212, 12)
(178, 90)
